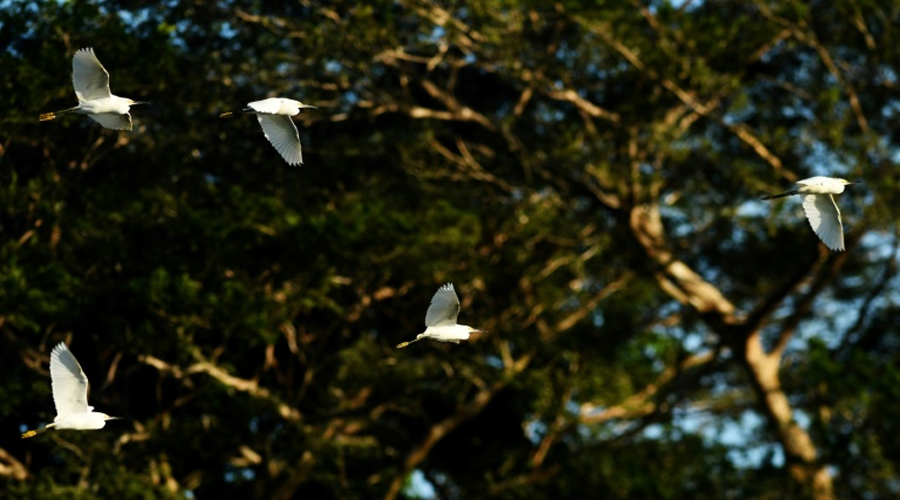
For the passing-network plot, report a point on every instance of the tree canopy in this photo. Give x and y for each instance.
(587, 174)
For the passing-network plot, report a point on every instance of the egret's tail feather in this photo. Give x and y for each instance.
(35, 432)
(782, 195)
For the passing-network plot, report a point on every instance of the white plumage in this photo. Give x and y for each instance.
(91, 82)
(440, 320)
(821, 210)
(69, 383)
(70, 389)
(274, 116)
(825, 218)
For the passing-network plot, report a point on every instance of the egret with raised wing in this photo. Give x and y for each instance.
(91, 82)
(70, 389)
(440, 319)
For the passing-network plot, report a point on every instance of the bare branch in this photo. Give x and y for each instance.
(250, 387)
(439, 430)
(810, 39)
(10, 467)
(640, 404)
(583, 104)
(686, 286)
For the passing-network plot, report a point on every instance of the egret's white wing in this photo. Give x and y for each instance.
(825, 219)
(89, 77)
(70, 385)
(271, 105)
(444, 307)
(282, 133)
(113, 121)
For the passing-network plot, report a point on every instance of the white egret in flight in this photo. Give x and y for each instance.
(440, 319)
(821, 210)
(274, 115)
(70, 388)
(91, 82)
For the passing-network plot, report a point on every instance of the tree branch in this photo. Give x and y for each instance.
(11, 467)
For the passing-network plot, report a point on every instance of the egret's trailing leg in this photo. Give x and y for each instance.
(45, 117)
(782, 195)
(404, 344)
(28, 434)
(232, 114)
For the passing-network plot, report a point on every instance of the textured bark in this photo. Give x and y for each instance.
(678, 280)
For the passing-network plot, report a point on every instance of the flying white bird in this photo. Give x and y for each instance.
(822, 212)
(91, 82)
(440, 319)
(274, 115)
(70, 388)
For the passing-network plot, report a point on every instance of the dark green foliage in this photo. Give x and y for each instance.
(241, 313)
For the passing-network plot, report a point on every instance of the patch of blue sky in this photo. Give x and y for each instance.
(227, 30)
(752, 209)
(822, 160)
(887, 75)
(891, 109)
(494, 361)
(284, 68)
(597, 319)
(134, 17)
(436, 34)
(735, 434)
(687, 5)
(535, 430)
(879, 246)
(239, 474)
(419, 486)
(798, 110)
(351, 97)
(829, 326)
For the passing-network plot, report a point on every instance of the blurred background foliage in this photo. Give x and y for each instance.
(586, 173)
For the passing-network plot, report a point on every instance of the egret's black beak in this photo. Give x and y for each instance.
(308, 106)
(135, 103)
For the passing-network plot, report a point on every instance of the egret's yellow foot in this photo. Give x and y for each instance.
(28, 434)
(227, 114)
(403, 344)
(47, 117)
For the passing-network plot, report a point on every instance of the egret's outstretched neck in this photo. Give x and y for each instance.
(28, 434)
